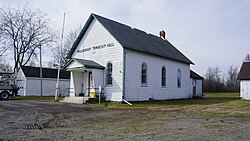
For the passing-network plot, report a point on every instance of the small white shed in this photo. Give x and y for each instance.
(28, 79)
(244, 77)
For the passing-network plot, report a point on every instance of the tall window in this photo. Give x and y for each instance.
(163, 77)
(144, 74)
(109, 74)
(178, 78)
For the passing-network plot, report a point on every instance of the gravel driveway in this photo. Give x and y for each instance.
(33, 120)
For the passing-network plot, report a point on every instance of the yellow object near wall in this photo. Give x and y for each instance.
(92, 95)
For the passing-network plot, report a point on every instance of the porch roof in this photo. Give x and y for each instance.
(89, 64)
(194, 75)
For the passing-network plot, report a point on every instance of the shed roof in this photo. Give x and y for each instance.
(195, 75)
(134, 39)
(244, 73)
(47, 72)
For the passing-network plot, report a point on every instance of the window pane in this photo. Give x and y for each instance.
(144, 74)
(179, 78)
(109, 74)
(144, 79)
(163, 76)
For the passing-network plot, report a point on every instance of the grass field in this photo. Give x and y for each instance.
(210, 98)
(221, 104)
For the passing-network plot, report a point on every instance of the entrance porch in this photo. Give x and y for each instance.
(86, 80)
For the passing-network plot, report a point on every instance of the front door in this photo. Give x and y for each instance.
(194, 90)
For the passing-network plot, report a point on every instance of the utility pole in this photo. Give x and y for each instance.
(41, 71)
(59, 62)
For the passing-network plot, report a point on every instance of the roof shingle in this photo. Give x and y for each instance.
(244, 73)
(195, 75)
(47, 72)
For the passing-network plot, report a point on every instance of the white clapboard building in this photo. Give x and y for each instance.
(28, 79)
(128, 63)
(244, 77)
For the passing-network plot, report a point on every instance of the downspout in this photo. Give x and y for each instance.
(124, 74)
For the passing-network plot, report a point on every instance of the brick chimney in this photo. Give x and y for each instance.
(162, 34)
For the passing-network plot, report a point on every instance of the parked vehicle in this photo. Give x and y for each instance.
(7, 87)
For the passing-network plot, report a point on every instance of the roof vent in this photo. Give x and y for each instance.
(162, 34)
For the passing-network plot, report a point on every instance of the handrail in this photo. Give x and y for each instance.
(96, 91)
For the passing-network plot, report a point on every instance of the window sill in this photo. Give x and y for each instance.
(109, 85)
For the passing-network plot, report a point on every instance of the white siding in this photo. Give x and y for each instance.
(30, 86)
(198, 85)
(97, 35)
(49, 87)
(21, 82)
(98, 77)
(199, 91)
(245, 89)
(135, 92)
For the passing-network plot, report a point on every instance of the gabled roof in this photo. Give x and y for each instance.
(244, 73)
(134, 39)
(86, 63)
(47, 72)
(194, 75)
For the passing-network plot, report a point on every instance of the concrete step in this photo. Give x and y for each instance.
(77, 100)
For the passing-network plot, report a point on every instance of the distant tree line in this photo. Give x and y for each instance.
(215, 81)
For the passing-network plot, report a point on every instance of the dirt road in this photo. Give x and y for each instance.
(32, 120)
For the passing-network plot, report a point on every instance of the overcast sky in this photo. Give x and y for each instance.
(209, 32)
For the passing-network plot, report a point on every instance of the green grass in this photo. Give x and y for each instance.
(232, 99)
(215, 126)
(223, 95)
(38, 98)
(210, 98)
(219, 104)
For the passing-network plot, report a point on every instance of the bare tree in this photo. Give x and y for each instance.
(3, 46)
(33, 60)
(4, 65)
(24, 31)
(214, 81)
(232, 82)
(50, 64)
(68, 43)
(247, 58)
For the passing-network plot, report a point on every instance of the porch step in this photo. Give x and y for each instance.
(77, 100)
